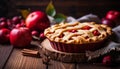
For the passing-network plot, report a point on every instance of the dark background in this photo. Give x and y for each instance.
(75, 8)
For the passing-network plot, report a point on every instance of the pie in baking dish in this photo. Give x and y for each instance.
(77, 37)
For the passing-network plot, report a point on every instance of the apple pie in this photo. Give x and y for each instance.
(77, 37)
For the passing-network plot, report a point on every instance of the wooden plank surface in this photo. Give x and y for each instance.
(60, 65)
(18, 61)
(5, 51)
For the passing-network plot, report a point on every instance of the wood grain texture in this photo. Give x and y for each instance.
(5, 51)
(18, 61)
(60, 65)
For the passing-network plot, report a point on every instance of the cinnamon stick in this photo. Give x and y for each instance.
(28, 52)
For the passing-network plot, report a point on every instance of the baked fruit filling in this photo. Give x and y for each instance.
(86, 27)
(96, 33)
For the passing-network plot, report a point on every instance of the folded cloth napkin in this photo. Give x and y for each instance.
(71, 19)
(89, 18)
(116, 36)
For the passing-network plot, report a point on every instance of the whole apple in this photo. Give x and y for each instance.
(35, 33)
(37, 21)
(4, 35)
(107, 60)
(113, 15)
(42, 36)
(108, 22)
(2, 19)
(20, 37)
(3, 24)
(16, 19)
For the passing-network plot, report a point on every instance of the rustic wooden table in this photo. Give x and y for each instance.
(12, 58)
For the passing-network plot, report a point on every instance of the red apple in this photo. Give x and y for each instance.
(3, 24)
(22, 23)
(9, 23)
(18, 25)
(4, 35)
(107, 60)
(108, 22)
(16, 19)
(42, 36)
(113, 15)
(37, 21)
(35, 33)
(20, 37)
(2, 19)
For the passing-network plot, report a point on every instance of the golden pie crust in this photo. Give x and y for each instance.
(78, 33)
